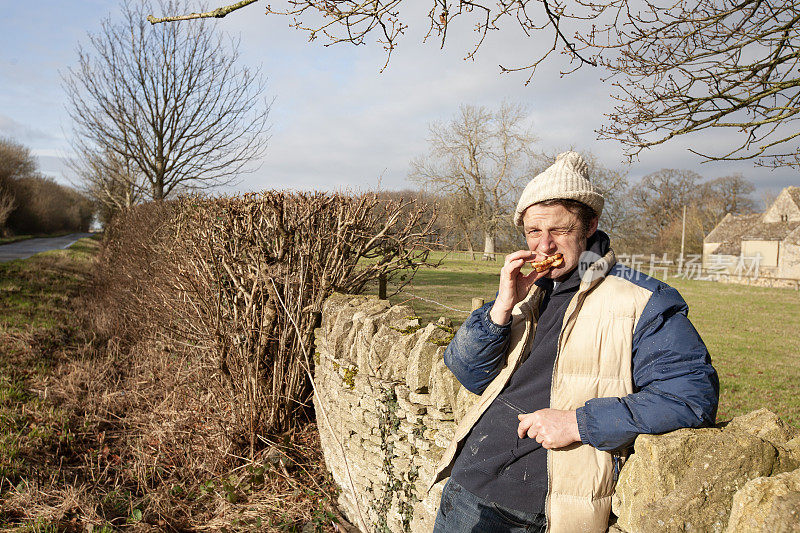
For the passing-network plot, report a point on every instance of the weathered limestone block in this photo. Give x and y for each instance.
(421, 399)
(403, 450)
(401, 462)
(360, 382)
(422, 445)
(446, 426)
(405, 427)
(371, 447)
(414, 419)
(388, 353)
(425, 510)
(371, 419)
(395, 366)
(443, 386)
(465, 400)
(793, 448)
(368, 403)
(423, 355)
(685, 480)
(766, 425)
(409, 408)
(768, 505)
(367, 322)
(338, 321)
(334, 305)
(401, 391)
(442, 439)
(442, 416)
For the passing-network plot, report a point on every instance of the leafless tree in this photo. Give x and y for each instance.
(114, 183)
(681, 67)
(478, 157)
(169, 103)
(694, 65)
(657, 202)
(457, 211)
(728, 194)
(6, 207)
(766, 198)
(16, 162)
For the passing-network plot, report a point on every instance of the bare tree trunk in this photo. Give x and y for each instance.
(158, 190)
(488, 246)
(470, 247)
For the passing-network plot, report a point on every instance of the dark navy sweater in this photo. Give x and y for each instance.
(494, 463)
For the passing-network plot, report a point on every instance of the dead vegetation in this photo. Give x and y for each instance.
(175, 396)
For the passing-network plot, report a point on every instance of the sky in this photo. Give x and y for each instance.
(337, 121)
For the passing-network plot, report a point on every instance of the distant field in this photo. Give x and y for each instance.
(751, 332)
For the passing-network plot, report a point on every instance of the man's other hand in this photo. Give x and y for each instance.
(553, 428)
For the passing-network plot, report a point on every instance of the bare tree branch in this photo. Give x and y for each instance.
(678, 67)
(219, 13)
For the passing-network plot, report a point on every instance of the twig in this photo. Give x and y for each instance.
(554, 19)
(362, 523)
(217, 13)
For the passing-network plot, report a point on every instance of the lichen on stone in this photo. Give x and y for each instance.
(349, 377)
(407, 330)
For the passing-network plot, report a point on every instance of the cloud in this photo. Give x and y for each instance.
(20, 132)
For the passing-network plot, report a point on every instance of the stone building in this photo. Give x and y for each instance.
(773, 237)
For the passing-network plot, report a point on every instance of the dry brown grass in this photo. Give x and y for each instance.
(105, 432)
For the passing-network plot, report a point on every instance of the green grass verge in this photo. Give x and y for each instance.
(34, 292)
(36, 322)
(751, 332)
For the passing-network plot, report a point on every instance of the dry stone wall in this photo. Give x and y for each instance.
(385, 409)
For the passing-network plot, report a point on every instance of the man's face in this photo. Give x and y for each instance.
(553, 228)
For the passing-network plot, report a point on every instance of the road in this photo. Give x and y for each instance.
(26, 248)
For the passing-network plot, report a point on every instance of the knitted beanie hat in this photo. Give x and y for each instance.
(566, 179)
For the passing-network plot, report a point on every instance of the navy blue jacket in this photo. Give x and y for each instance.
(675, 384)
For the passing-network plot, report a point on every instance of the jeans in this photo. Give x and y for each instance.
(462, 512)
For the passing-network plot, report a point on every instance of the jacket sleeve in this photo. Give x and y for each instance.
(676, 386)
(477, 351)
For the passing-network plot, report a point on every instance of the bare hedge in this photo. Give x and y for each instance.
(239, 282)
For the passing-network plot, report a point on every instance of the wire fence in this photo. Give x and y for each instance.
(440, 304)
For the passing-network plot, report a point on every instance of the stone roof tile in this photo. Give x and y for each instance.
(732, 227)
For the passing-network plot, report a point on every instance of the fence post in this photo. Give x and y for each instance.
(382, 286)
(477, 303)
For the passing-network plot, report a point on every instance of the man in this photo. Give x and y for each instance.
(572, 364)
